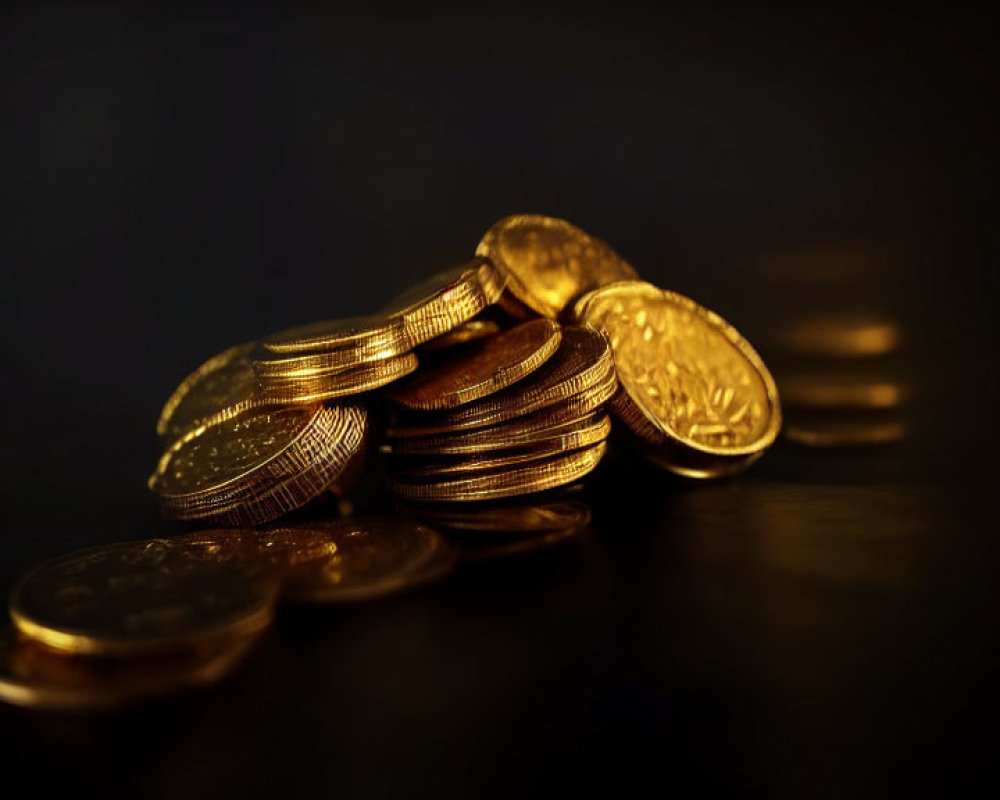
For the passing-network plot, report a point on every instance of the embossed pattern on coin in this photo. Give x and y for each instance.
(135, 598)
(550, 262)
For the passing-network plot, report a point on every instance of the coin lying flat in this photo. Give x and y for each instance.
(535, 477)
(506, 546)
(471, 331)
(36, 677)
(845, 432)
(511, 518)
(316, 387)
(481, 369)
(223, 386)
(446, 300)
(841, 337)
(341, 560)
(548, 262)
(140, 598)
(378, 334)
(690, 383)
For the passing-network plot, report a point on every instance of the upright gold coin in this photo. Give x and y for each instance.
(689, 381)
(222, 387)
(482, 369)
(34, 676)
(548, 262)
(535, 477)
(446, 300)
(341, 560)
(138, 598)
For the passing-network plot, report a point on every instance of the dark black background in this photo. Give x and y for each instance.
(175, 181)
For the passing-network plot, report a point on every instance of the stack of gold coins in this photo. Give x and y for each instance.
(514, 413)
(266, 427)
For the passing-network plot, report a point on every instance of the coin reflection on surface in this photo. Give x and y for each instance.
(471, 331)
(839, 391)
(513, 518)
(36, 677)
(505, 547)
(841, 337)
(341, 560)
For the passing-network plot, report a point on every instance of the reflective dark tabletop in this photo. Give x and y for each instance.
(824, 625)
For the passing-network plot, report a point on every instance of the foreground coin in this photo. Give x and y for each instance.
(534, 477)
(548, 262)
(446, 300)
(36, 677)
(481, 369)
(691, 385)
(221, 388)
(341, 560)
(139, 598)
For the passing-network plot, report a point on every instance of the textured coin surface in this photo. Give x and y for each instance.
(382, 334)
(341, 560)
(471, 331)
(687, 376)
(535, 477)
(36, 677)
(330, 385)
(481, 369)
(446, 300)
(549, 262)
(135, 598)
(223, 386)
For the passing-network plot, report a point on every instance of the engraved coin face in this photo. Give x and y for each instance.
(36, 677)
(341, 560)
(135, 598)
(686, 374)
(222, 386)
(483, 368)
(548, 262)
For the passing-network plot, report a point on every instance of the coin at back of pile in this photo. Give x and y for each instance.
(471, 331)
(379, 334)
(548, 262)
(139, 598)
(482, 368)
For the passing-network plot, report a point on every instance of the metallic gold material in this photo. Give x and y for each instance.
(221, 388)
(535, 477)
(482, 369)
(378, 335)
(842, 337)
(839, 391)
(548, 262)
(446, 300)
(690, 384)
(322, 386)
(34, 676)
(845, 432)
(340, 560)
(471, 331)
(139, 598)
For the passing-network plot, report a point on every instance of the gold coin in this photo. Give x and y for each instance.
(322, 386)
(505, 446)
(446, 300)
(138, 598)
(582, 362)
(839, 391)
(516, 546)
(223, 386)
(841, 337)
(535, 477)
(506, 518)
(548, 262)
(482, 369)
(845, 432)
(689, 381)
(378, 336)
(471, 331)
(34, 676)
(341, 560)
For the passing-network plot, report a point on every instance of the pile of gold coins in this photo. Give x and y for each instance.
(492, 389)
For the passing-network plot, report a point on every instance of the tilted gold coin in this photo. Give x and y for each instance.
(223, 386)
(535, 477)
(375, 336)
(329, 385)
(446, 300)
(341, 560)
(471, 331)
(841, 337)
(506, 546)
(690, 382)
(482, 369)
(34, 676)
(846, 432)
(509, 518)
(138, 598)
(548, 262)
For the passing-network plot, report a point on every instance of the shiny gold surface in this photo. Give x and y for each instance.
(37, 677)
(473, 551)
(686, 375)
(482, 369)
(319, 387)
(548, 262)
(222, 387)
(138, 598)
(839, 391)
(841, 337)
(535, 477)
(467, 332)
